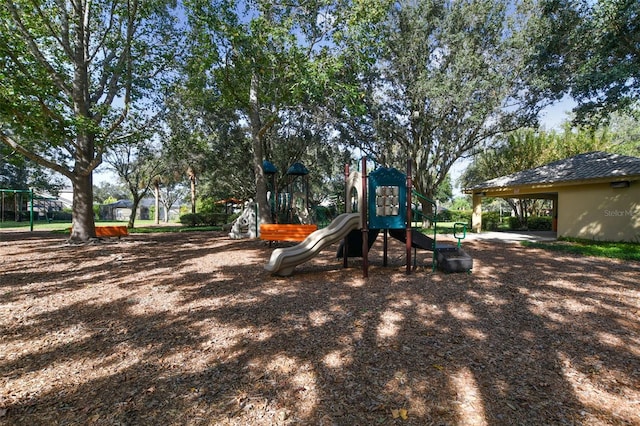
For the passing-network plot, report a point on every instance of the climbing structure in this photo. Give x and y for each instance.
(378, 202)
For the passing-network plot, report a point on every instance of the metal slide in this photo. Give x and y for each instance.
(284, 260)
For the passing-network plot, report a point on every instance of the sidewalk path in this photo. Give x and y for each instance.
(513, 237)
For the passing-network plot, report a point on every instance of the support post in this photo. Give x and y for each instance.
(345, 244)
(476, 216)
(408, 226)
(365, 225)
(554, 213)
(31, 209)
(384, 249)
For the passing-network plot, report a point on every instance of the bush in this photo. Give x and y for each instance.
(191, 219)
(9, 216)
(490, 221)
(514, 223)
(213, 219)
(324, 215)
(463, 216)
(62, 216)
(538, 223)
(206, 219)
(444, 216)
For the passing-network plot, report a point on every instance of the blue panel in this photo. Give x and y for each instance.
(268, 168)
(387, 199)
(297, 169)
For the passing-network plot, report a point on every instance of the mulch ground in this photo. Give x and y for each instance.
(188, 329)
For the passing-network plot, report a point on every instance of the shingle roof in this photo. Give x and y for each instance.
(592, 165)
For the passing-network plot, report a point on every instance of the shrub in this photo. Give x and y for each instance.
(463, 216)
(490, 221)
(62, 216)
(538, 223)
(191, 219)
(444, 216)
(213, 219)
(324, 215)
(514, 223)
(233, 217)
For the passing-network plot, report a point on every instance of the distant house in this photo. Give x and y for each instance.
(120, 210)
(595, 195)
(148, 205)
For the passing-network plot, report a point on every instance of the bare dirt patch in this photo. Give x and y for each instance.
(188, 329)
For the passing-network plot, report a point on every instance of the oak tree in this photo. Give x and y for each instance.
(70, 72)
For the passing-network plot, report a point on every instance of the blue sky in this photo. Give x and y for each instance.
(553, 116)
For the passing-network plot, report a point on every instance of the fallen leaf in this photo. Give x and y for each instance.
(403, 414)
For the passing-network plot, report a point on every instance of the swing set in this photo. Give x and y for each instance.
(16, 209)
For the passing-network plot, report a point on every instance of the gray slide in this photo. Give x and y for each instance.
(284, 260)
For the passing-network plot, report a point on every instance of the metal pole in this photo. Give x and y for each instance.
(384, 246)
(365, 228)
(345, 243)
(408, 226)
(17, 216)
(31, 212)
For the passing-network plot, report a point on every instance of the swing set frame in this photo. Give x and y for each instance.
(18, 191)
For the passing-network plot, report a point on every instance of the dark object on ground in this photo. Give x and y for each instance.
(453, 259)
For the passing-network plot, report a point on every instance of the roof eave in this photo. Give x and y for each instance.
(544, 186)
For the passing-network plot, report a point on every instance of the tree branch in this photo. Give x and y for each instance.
(59, 80)
(9, 141)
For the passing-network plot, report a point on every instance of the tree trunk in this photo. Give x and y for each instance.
(156, 213)
(427, 213)
(134, 212)
(256, 128)
(192, 179)
(82, 223)
(17, 207)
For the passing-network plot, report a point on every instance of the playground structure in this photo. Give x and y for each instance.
(289, 208)
(383, 201)
(245, 226)
(289, 204)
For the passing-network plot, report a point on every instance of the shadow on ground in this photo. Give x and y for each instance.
(189, 329)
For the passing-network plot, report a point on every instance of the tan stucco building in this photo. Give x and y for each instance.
(595, 195)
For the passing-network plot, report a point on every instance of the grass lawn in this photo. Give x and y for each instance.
(141, 226)
(623, 251)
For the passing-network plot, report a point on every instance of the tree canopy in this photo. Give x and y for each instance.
(272, 66)
(606, 58)
(238, 82)
(450, 76)
(528, 148)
